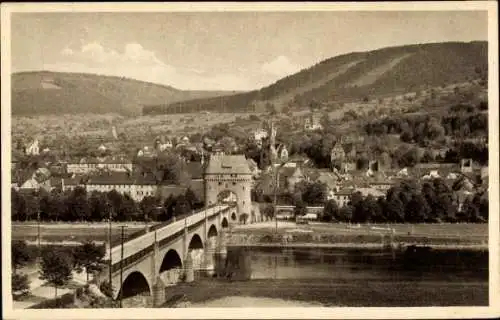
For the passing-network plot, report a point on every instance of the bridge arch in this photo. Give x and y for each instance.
(195, 243)
(135, 283)
(224, 223)
(212, 231)
(171, 260)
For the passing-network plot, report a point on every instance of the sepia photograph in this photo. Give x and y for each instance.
(162, 157)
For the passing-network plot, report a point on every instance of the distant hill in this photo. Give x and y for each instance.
(356, 76)
(44, 92)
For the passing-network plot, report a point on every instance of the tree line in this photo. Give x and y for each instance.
(79, 205)
(433, 201)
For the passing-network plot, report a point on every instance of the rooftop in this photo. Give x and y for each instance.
(228, 164)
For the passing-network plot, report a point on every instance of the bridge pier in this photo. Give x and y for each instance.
(158, 292)
(188, 270)
(210, 250)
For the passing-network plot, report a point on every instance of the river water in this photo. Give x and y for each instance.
(342, 277)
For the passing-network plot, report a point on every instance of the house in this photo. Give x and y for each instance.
(70, 183)
(260, 134)
(254, 168)
(293, 179)
(282, 153)
(466, 165)
(343, 157)
(161, 144)
(382, 186)
(342, 197)
(40, 179)
(287, 178)
(102, 148)
(146, 152)
(337, 153)
(87, 165)
(33, 148)
(297, 160)
(370, 191)
(138, 186)
(312, 122)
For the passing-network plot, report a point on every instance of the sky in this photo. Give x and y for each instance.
(220, 50)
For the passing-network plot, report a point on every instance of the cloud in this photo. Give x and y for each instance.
(137, 62)
(281, 66)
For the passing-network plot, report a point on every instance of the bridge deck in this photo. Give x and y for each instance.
(135, 245)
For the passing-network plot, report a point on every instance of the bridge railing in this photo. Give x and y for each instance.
(135, 246)
(153, 227)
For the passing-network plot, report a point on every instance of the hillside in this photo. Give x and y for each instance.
(44, 92)
(355, 76)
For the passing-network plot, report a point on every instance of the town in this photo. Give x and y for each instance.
(177, 173)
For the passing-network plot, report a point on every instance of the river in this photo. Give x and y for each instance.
(340, 277)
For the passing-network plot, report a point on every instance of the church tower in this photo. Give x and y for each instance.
(268, 153)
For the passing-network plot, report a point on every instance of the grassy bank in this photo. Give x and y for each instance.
(77, 232)
(321, 234)
(335, 293)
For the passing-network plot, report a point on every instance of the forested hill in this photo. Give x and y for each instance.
(355, 76)
(44, 92)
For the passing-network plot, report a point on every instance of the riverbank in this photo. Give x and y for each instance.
(329, 293)
(374, 246)
(289, 234)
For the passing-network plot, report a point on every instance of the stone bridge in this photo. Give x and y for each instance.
(159, 258)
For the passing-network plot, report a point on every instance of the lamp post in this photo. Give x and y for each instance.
(110, 247)
(121, 265)
(277, 172)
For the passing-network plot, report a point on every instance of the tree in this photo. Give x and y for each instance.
(370, 208)
(128, 210)
(148, 206)
(181, 206)
(18, 206)
(330, 211)
(300, 208)
(191, 198)
(98, 206)
(21, 254)
(56, 267)
(77, 205)
(268, 211)
(89, 256)
(20, 284)
(32, 206)
(417, 209)
(394, 209)
(315, 193)
(114, 202)
(346, 213)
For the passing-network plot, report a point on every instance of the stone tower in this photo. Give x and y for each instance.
(229, 173)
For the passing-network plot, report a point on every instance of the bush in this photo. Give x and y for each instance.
(106, 289)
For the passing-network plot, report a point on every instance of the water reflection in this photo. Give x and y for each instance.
(342, 264)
